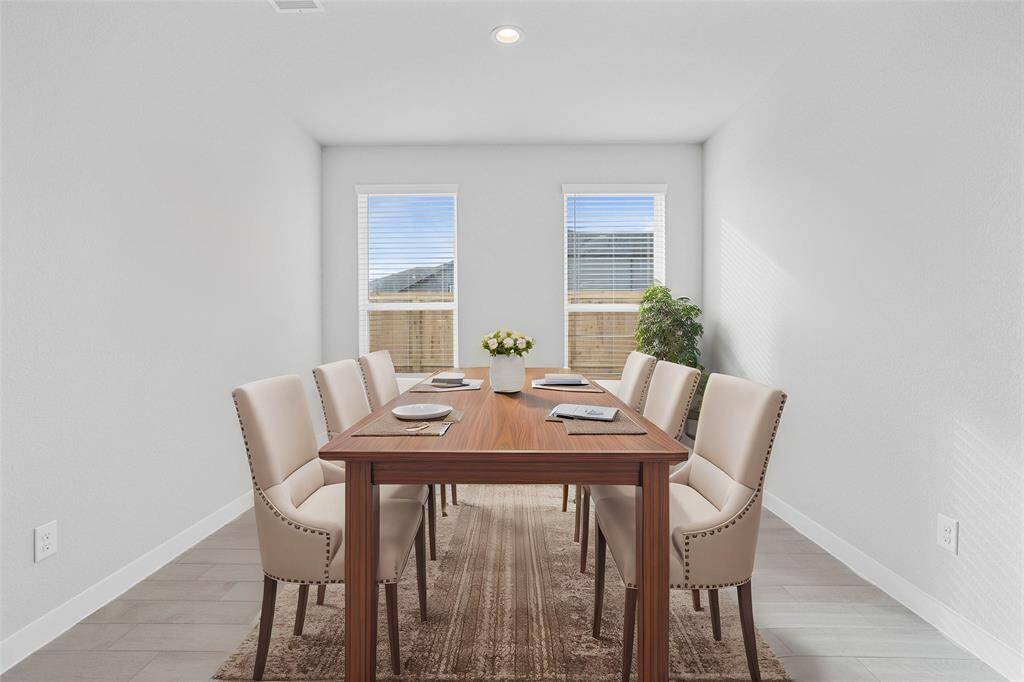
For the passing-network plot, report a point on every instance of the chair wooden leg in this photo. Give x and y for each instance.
(432, 513)
(576, 528)
(628, 628)
(266, 625)
(391, 604)
(584, 530)
(747, 625)
(444, 501)
(300, 608)
(455, 495)
(565, 497)
(695, 595)
(600, 552)
(716, 621)
(421, 568)
(321, 592)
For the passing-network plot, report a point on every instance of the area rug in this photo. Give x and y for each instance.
(506, 601)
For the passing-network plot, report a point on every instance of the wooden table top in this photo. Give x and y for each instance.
(508, 428)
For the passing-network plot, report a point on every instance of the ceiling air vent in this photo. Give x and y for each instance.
(297, 6)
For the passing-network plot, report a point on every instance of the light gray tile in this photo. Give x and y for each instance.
(232, 572)
(245, 591)
(779, 534)
(868, 642)
(66, 666)
(176, 637)
(241, 538)
(849, 594)
(804, 615)
(175, 666)
(180, 572)
(890, 616)
(929, 670)
(808, 575)
(774, 546)
(826, 669)
(220, 556)
(197, 590)
(225, 612)
(88, 636)
(776, 643)
(760, 593)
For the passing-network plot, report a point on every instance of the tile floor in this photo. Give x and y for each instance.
(822, 620)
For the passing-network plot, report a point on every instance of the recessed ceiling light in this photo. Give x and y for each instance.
(507, 35)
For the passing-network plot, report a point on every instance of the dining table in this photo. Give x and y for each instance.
(505, 438)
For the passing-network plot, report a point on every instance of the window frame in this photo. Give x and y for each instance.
(660, 191)
(363, 192)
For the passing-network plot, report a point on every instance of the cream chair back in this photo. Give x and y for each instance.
(671, 391)
(286, 471)
(735, 434)
(279, 435)
(342, 394)
(379, 378)
(636, 377)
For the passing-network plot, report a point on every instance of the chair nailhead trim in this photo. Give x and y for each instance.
(643, 391)
(323, 405)
(686, 412)
(739, 515)
(259, 492)
(366, 384)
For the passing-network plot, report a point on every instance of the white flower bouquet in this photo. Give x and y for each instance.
(507, 342)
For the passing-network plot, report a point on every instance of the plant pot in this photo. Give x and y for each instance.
(508, 373)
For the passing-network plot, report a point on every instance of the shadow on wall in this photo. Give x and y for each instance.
(984, 483)
(752, 294)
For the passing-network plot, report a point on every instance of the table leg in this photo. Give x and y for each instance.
(362, 513)
(652, 549)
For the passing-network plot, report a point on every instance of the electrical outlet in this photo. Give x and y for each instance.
(948, 533)
(46, 540)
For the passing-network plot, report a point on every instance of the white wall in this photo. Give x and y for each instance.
(863, 251)
(161, 245)
(510, 231)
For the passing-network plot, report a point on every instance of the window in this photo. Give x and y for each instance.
(614, 249)
(407, 275)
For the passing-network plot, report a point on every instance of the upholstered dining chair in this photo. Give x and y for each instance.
(344, 402)
(381, 388)
(714, 510)
(632, 390)
(670, 393)
(300, 510)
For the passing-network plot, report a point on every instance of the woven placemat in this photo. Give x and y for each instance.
(390, 425)
(427, 387)
(621, 426)
(589, 388)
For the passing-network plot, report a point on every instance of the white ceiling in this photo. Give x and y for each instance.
(428, 72)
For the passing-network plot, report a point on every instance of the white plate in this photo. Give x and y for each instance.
(421, 411)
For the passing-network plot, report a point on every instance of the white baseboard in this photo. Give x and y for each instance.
(979, 642)
(51, 625)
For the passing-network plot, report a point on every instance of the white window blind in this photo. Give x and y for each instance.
(614, 250)
(407, 277)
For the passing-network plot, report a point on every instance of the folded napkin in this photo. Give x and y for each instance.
(588, 388)
(621, 425)
(427, 387)
(389, 425)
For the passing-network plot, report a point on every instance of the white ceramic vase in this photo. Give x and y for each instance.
(508, 373)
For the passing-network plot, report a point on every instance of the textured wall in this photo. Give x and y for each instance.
(161, 245)
(863, 250)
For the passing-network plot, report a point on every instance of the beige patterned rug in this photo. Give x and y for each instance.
(506, 601)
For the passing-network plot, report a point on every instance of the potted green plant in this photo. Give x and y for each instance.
(670, 329)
